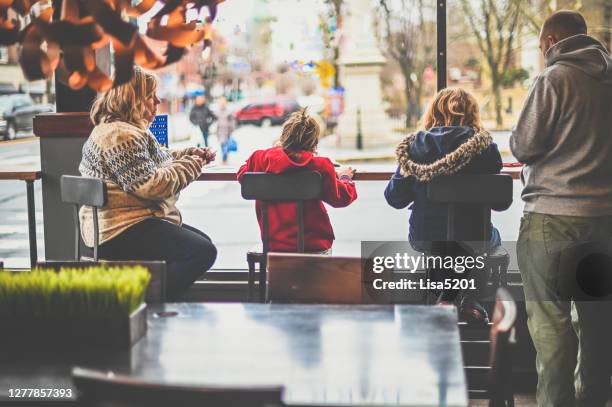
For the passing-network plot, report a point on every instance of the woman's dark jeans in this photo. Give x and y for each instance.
(188, 252)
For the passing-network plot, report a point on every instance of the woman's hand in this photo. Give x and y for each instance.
(346, 172)
(206, 154)
(211, 156)
(198, 160)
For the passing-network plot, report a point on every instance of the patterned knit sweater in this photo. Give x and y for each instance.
(143, 180)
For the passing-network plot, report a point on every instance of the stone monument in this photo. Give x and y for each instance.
(360, 65)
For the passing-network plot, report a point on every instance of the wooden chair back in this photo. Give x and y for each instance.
(79, 191)
(311, 278)
(297, 187)
(470, 199)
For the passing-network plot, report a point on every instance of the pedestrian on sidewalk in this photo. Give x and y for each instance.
(296, 151)
(563, 136)
(226, 124)
(203, 117)
(453, 141)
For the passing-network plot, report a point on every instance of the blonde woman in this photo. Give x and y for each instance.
(141, 221)
(453, 140)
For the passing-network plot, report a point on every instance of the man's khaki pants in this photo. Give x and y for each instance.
(570, 329)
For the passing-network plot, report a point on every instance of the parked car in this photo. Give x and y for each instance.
(17, 113)
(266, 114)
(7, 88)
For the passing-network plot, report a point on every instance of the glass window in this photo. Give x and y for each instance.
(3, 55)
(5, 104)
(493, 52)
(22, 100)
(349, 60)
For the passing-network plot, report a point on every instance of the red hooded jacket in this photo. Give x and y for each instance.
(318, 233)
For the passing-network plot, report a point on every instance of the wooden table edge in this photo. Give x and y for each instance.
(16, 175)
(230, 175)
(221, 176)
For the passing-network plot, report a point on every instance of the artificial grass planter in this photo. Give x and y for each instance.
(97, 306)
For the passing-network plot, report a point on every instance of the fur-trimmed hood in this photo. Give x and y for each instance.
(440, 151)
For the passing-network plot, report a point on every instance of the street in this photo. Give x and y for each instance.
(218, 209)
(14, 246)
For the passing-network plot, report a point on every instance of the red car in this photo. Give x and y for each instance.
(266, 114)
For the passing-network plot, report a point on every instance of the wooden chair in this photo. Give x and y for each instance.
(268, 188)
(469, 199)
(500, 354)
(311, 278)
(471, 196)
(97, 389)
(79, 191)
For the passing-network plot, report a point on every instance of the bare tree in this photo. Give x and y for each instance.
(535, 12)
(593, 10)
(409, 39)
(495, 26)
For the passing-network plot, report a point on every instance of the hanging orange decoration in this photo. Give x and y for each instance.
(64, 42)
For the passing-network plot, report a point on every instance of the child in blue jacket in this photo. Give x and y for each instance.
(453, 142)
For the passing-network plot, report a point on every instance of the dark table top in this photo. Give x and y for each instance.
(321, 354)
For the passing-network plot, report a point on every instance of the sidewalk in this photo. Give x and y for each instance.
(345, 155)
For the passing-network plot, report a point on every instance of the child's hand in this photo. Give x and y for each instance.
(345, 171)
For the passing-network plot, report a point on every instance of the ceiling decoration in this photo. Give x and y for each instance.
(68, 41)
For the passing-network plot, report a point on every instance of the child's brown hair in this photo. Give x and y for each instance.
(300, 132)
(453, 107)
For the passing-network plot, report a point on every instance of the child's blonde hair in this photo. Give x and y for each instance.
(453, 107)
(300, 132)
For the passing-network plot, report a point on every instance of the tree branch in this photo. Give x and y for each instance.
(474, 27)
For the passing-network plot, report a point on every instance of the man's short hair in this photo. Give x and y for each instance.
(564, 23)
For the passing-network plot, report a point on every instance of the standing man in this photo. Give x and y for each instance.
(564, 137)
(202, 116)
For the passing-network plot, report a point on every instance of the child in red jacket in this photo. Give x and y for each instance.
(296, 151)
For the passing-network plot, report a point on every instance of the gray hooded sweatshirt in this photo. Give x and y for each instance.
(564, 132)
